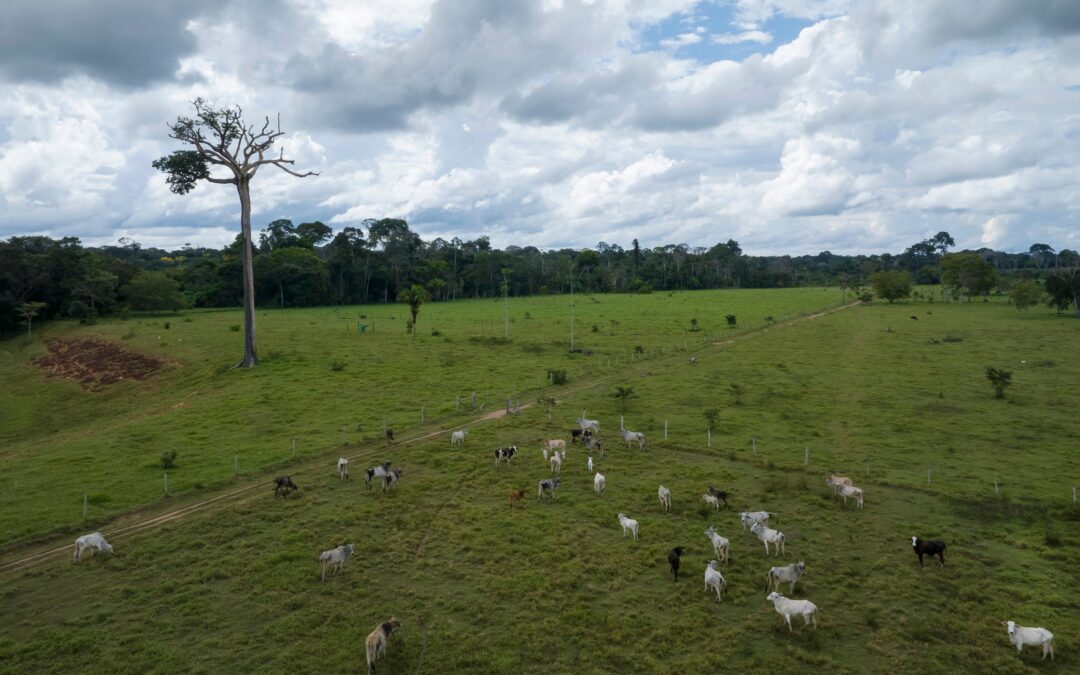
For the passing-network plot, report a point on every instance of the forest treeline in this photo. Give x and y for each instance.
(309, 264)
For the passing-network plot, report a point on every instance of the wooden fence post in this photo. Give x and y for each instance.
(806, 456)
(928, 470)
(753, 444)
(166, 484)
(235, 466)
(708, 436)
(84, 505)
(665, 430)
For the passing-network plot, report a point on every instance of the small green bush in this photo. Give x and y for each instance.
(128, 335)
(557, 376)
(337, 366)
(168, 459)
(235, 328)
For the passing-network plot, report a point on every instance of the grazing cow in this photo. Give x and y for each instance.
(673, 560)
(836, 481)
(343, 468)
(715, 579)
(855, 493)
(665, 498)
(390, 480)
(750, 518)
(282, 485)
(93, 542)
(375, 644)
(628, 524)
(930, 547)
(556, 463)
(590, 464)
(599, 484)
(458, 437)
(505, 453)
(788, 608)
(516, 496)
(789, 574)
(634, 437)
(548, 485)
(720, 545)
(769, 536)
(709, 499)
(379, 471)
(336, 557)
(1021, 635)
(719, 494)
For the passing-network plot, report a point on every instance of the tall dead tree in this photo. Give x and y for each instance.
(222, 138)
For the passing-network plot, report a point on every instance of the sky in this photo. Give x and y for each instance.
(791, 126)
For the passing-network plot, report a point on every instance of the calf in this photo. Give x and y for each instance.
(769, 536)
(719, 494)
(516, 496)
(555, 444)
(375, 644)
(1022, 635)
(590, 464)
(628, 524)
(599, 484)
(665, 498)
(930, 547)
(505, 453)
(715, 579)
(556, 463)
(390, 480)
(282, 485)
(673, 560)
(720, 545)
(343, 468)
(379, 471)
(788, 608)
(336, 557)
(458, 437)
(93, 542)
(548, 485)
(709, 499)
(580, 435)
(633, 437)
(789, 574)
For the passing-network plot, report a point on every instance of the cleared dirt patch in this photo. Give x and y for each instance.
(96, 363)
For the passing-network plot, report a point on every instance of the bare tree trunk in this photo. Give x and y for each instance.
(250, 358)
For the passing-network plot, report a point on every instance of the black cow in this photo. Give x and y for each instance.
(505, 453)
(930, 547)
(673, 560)
(719, 494)
(282, 485)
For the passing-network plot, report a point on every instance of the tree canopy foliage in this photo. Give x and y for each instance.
(891, 285)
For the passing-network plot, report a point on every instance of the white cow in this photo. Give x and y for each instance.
(769, 536)
(665, 497)
(788, 608)
(94, 542)
(855, 493)
(789, 574)
(590, 464)
(634, 437)
(628, 524)
(715, 579)
(343, 468)
(711, 499)
(458, 437)
(589, 424)
(336, 558)
(555, 444)
(751, 518)
(1021, 635)
(556, 463)
(720, 545)
(599, 484)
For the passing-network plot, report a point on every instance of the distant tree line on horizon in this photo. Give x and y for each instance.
(309, 264)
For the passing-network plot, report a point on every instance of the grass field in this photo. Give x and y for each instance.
(554, 587)
(60, 442)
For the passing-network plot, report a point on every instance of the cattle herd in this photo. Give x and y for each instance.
(588, 436)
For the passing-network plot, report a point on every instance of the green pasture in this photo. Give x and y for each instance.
(59, 443)
(554, 587)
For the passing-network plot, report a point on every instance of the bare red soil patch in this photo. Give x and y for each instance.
(96, 363)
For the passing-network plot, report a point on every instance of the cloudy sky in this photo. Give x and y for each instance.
(792, 126)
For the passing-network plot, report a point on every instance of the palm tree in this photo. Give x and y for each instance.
(414, 296)
(1000, 379)
(624, 394)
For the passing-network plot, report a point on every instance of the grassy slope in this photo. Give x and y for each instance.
(554, 587)
(59, 442)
